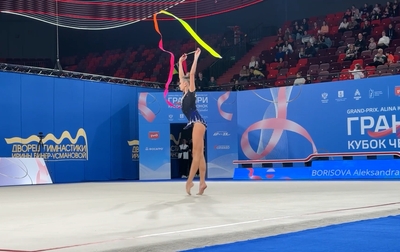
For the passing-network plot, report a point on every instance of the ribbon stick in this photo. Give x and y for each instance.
(172, 58)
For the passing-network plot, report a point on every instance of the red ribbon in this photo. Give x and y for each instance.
(220, 101)
(383, 133)
(171, 62)
(144, 110)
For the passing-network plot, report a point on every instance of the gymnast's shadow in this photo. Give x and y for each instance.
(196, 206)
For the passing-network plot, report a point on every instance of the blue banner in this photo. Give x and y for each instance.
(326, 170)
(301, 121)
(89, 129)
(217, 108)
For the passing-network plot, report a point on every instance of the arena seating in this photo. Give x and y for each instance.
(328, 64)
(143, 63)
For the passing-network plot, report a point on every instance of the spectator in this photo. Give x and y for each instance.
(386, 13)
(287, 34)
(287, 48)
(390, 58)
(263, 66)
(375, 15)
(281, 64)
(305, 25)
(255, 74)
(376, 8)
(357, 72)
(244, 73)
(324, 28)
(343, 25)
(395, 10)
(299, 80)
(279, 42)
(201, 82)
(366, 30)
(302, 54)
(299, 32)
(212, 82)
(279, 54)
(347, 14)
(253, 62)
(280, 33)
(391, 33)
(360, 44)
(379, 59)
(327, 41)
(372, 44)
(310, 50)
(353, 25)
(351, 53)
(306, 38)
(384, 41)
(366, 9)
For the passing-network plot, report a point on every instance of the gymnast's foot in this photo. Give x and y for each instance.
(202, 188)
(189, 186)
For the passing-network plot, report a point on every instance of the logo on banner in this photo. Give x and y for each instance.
(221, 133)
(143, 106)
(357, 95)
(220, 101)
(397, 91)
(154, 135)
(373, 93)
(51, 148)
(135, 149)
(270, 173)
(324, 98)
(340, 96)
(222, 147)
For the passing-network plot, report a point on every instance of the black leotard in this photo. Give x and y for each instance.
(189, 104)
(189, 109)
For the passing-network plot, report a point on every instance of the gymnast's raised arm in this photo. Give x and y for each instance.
(192, 86)
(180, 70)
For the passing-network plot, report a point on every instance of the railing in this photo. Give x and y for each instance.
(76, 75)
(237, 86)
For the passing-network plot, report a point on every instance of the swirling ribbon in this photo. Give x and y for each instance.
(278, 125)
(172, 58)
(220, 101)
(144, 110)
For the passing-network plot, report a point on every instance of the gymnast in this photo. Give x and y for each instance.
(189, 109)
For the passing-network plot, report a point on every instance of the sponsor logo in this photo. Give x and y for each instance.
(154, 134)
(340, 96)
(221, 133)
(154, 148)
(222, 147)
(182, 116)
(51, 148)
(324, 97)
(397, 91)
(270, 173)
(373, 93)
(357, 95)
(135, 149)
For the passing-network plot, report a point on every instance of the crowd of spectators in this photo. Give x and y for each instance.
(304, 38)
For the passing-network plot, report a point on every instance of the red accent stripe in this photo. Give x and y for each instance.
(349, 154)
